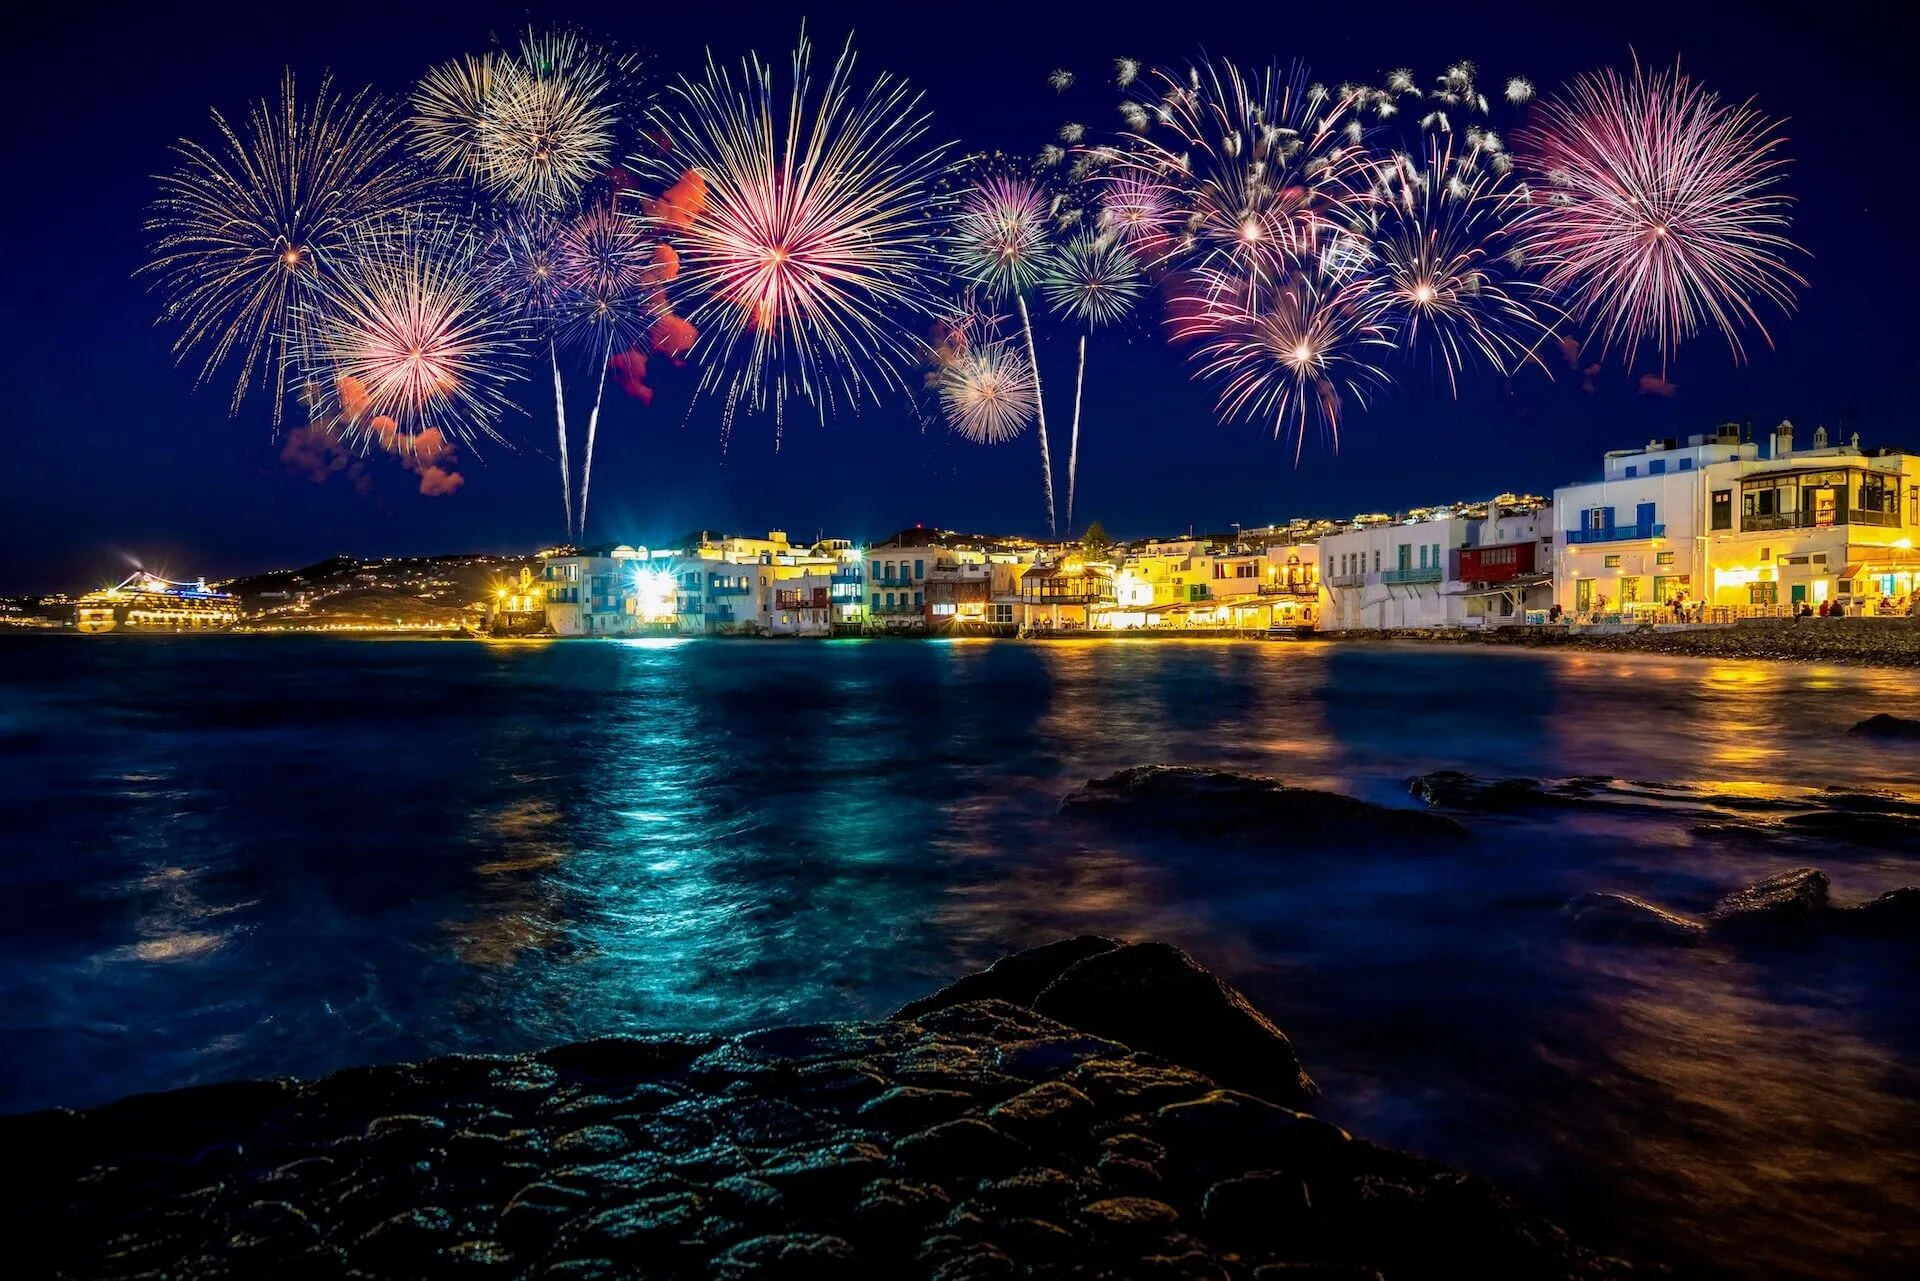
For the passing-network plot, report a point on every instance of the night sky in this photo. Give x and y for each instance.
(114, 458)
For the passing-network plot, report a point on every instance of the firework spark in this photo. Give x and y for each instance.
(523, 262)
(1658, 209)
(1289, 351)
(452, 108)
(607, 266)
(988, 392)
(1439, 238)
(1262, 164)
(814, 236)
(413, 332)
(247, 229)
(1094, 280)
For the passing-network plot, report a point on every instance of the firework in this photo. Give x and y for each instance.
(1125, 71)
(245, 230)
(999, 237)
(452, 108)
(1262, 165)
(523, 262)
(1439, 238)
(1094, 280)
(988, 392)
(999, 240)
(1287, 351)
(414, 335)
(1657, 209)
(813, 234)
(533, 126)
(607, 267)
(1061, 79)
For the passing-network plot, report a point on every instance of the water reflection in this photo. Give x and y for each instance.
(431, 847)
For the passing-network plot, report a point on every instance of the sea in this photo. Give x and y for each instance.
(232, 857)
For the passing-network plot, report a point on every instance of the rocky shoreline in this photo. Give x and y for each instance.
(1850, 642)
(1080, 1110)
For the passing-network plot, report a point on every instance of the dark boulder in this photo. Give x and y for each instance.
(1788, 904)
(1218, 805)
(1621, 917)
(1881, 725)
(1017, 978)
(1895, 913)
(1451, 789)
(1154, 997)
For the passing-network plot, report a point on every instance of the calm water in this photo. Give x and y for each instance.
(238, 857)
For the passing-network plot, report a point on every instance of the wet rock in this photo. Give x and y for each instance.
(1130, 1218)
(1450, 789)
(965, 1146)
(1016, 979)
(1154, 997)
(406, 1240)
(628, 1056)
(1786, 905)
(1621, 917)
(1260, 1208)
(1883, 726)
(591, 1142)
(900, 1205)
(788, 1256)
(1217, 805)
(1052, 1106)
(1230, 1128)
(911, 1107)
(1315, 1272)
(1895, 913)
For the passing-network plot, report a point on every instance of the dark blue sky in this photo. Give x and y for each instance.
(112, 454)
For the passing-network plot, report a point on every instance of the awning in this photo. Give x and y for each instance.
(1512, 584)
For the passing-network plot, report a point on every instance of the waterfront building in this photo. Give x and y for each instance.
(518, 608)
(1793, 527)
(1392, 575)
(1064, 595)
(591, 593)
(1504, 573)
(145, 602)
(1729, 527)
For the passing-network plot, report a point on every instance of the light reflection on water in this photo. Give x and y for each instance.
(246, 857)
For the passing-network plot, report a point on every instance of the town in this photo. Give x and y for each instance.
(1721, 527)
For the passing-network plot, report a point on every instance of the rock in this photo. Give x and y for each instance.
(1154, 997)
(1897, 912)
(1610, 917)
(966, 1146)
(1217, 805)
(407, 1239)
(1451, 789)
(1016, 979)
(1051, 1106)
(1227, 1128)
(790, 1256)
(1130, 1217)
(1259, 1208)
(912, 1107)
(1883, 726)
(1787, 904)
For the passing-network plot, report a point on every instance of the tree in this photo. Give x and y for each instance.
(1095, 541)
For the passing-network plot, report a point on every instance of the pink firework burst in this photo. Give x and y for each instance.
(1657, 209)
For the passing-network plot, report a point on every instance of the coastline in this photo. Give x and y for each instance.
(1851, 642)
(1086, 1107)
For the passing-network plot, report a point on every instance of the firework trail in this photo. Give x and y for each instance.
(247, 229)
(607, 268)
(1094, 280)
(523, 261)
(413, 335)
(999, 240)
(1286, 350)
(1438, 235)
(812, 239)
(1657, 209)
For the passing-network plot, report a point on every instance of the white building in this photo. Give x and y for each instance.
(1391, 575)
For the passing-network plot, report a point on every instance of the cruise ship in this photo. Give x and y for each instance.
(146, 602)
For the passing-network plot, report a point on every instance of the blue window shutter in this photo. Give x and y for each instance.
(1607, 516)
(1633, 471)
(1686, 464)
(1643, 515)
(1658, 467)
(919, 569)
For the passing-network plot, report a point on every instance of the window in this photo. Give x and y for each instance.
(1686, 464)
(1723, 509)
(1658, 467)
(889, 600)
(918, 599)
(1643, 516)
(1763, 593)
(1632, 472)
(1766, 553)
(876, 602)
(1000, 613)
(1376, 560)
(919, 569)
(1663, 558)
(1668, 586)
(1583, 594)
(1595, 519)
(1846, 587)
(1629, 589)
(1612, 562)
(1423, 555)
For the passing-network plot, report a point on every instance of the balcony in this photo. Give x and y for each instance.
(896, 611)
(844, 577)
(890, 582)
(1306, 591)
(1813, 520)
(1407, 577)
(1347, 580)
(1615, 534)
(718, 590)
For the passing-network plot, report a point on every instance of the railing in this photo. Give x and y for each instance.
(1289, 589)
(1616, 534)
(890, 582)
(1812, 520)
(1347, 580)
(895, 611)
(840, 578)
(718, 590)
(1427, 574)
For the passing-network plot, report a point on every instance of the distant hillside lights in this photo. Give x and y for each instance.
(1718, 529)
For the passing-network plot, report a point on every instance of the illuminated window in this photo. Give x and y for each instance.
(1612, 562)
(1663, 558)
